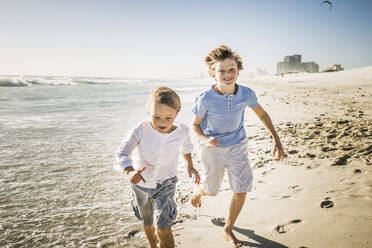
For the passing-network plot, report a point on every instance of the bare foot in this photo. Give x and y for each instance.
(196, 199)
(229, 235)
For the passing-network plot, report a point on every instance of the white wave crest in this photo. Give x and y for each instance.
(17, 81)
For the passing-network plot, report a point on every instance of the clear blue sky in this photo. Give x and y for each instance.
(157, 38)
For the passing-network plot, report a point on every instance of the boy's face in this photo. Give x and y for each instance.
(162, 117)
(226, 72)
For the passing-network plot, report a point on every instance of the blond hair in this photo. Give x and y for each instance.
(219, 54)
(164, 95)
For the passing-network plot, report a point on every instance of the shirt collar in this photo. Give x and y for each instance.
(162, 134)
(225, 95)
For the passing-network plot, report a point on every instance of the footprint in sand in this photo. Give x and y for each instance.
(366, 151)
(348, 148)
(293, 152)
(284, 228)
(220, 221)
(295, 188)
(268, 172)
(342, 160)
(328, 149)
(310, 155)
(327, 203)
(130, 234)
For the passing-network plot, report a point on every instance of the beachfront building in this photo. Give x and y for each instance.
(310, 67)
(334, 67)
(293, 64)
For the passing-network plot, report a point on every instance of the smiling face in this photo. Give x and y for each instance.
(162, 117)
(226, 72)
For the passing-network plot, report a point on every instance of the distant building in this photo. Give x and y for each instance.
(310, 67)
(292, 64)
(334, 67)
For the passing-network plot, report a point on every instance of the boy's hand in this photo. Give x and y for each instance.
(211, 142)
(192, 171)
(135, 176)
(278, 148)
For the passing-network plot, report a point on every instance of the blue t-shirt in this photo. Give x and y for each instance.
(223, 115)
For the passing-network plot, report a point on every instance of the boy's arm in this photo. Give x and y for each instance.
(124, 152)
(208, 141)
(123, 156)
(186, 150)
(266, 120)
(190, 168)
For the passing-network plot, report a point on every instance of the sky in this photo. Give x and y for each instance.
(169, 39)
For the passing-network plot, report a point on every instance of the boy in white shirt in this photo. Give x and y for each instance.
(154, 175)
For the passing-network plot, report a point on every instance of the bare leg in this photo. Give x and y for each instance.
(151, 236)
(196, 196)
(236, 204)
(166, 238)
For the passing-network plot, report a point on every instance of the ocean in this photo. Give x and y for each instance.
(58, 137)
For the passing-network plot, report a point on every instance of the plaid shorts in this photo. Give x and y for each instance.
(156, 206)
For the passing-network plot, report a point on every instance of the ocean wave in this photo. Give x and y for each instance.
(29, 81)
(12, 82)
(109, 81)
(22, 81)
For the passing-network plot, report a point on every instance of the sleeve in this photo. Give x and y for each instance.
(199, 108)
(187, 147)
(252, 99)
(124, 152)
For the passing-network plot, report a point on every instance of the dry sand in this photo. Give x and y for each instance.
(321, 194)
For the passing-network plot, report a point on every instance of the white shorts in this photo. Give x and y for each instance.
(235, 159)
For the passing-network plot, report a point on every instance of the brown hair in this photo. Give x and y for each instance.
(219, 54)
(164, 95)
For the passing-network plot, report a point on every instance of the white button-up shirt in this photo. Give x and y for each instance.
(159, 152)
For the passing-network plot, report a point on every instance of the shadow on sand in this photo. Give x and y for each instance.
(261, 241)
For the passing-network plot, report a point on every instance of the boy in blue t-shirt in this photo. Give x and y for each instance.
(219, 124)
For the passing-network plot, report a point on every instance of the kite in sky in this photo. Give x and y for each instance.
(329, 4)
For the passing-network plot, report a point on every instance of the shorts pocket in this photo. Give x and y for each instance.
(172, 210)
(135, 209)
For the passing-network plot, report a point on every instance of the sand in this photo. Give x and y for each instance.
(321, 194)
